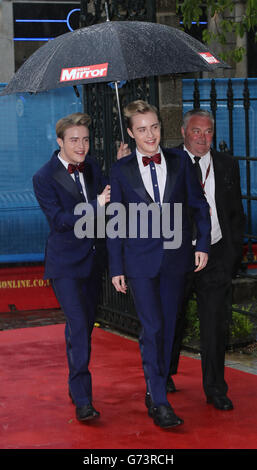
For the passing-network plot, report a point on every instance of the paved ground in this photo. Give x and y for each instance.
(12, 320)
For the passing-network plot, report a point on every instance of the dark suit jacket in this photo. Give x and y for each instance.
(143, 257)
(229, 207)
(57, 193)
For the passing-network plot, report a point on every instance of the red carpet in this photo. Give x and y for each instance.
(36, 413)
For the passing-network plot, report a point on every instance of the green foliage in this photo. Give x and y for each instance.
(241, 326)
(193, 325)
(219, 10)
(240, 329)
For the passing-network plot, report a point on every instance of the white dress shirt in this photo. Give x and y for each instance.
(81, 177)
(209, 189)
(161, 173)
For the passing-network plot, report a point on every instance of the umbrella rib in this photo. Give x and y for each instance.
(49, 58)
(131, 50)
(121, 48)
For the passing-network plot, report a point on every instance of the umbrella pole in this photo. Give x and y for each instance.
(116, 86)
(106, 11)
(119, 111)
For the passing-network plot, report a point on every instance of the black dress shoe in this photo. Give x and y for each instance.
(86, 412)
(170, 385)
(165, 417)
(221, 402)
(162, 415)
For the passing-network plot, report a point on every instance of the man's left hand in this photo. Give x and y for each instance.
(123, 151)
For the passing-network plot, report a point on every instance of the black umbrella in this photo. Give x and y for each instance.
(111, 52)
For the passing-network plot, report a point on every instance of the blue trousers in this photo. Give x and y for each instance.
(157, 302)
(78, 300)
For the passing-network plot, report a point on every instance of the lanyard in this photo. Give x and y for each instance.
(206, 175)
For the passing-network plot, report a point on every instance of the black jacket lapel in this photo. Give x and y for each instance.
(61, 175)
(173, 165)
(133, 175)
(218, 176)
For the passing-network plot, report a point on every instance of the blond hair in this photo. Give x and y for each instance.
(75, 119)
(138, 107)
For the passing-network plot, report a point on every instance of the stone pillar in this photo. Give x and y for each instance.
(241, 67)
(237, 69)
(6, 42)
(170, 87)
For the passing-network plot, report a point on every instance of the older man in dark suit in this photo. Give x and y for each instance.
(219, 175)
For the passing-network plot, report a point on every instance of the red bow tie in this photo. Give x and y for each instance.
(155, 158)
(79, 167)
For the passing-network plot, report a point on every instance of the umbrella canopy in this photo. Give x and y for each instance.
(110, 52)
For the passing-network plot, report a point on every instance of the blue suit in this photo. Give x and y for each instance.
(73, 264)
(156, 275)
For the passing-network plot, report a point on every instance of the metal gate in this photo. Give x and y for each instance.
(99, 100)
(233, 103)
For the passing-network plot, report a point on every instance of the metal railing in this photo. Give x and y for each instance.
(249, 194)
(117, 310)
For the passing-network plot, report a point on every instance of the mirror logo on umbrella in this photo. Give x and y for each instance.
(81, 73)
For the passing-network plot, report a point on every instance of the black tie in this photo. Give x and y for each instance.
(78, 183)
(198, 168)
(200, 177)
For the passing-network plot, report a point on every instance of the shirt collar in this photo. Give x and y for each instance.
(63, 161)
(139, 154)
(205, 159)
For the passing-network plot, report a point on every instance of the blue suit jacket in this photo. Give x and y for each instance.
(57, 194)
(143, 257)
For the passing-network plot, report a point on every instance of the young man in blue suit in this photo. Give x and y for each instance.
(73, 264)
(155, 271)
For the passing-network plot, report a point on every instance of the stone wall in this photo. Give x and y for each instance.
(237, 69)
(170, 87)
(6, 42)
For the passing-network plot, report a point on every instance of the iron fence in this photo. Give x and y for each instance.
(241, 127)
(118, 311)
(233, 103)
(99, 101)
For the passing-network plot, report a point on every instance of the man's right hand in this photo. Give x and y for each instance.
(120, 284)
